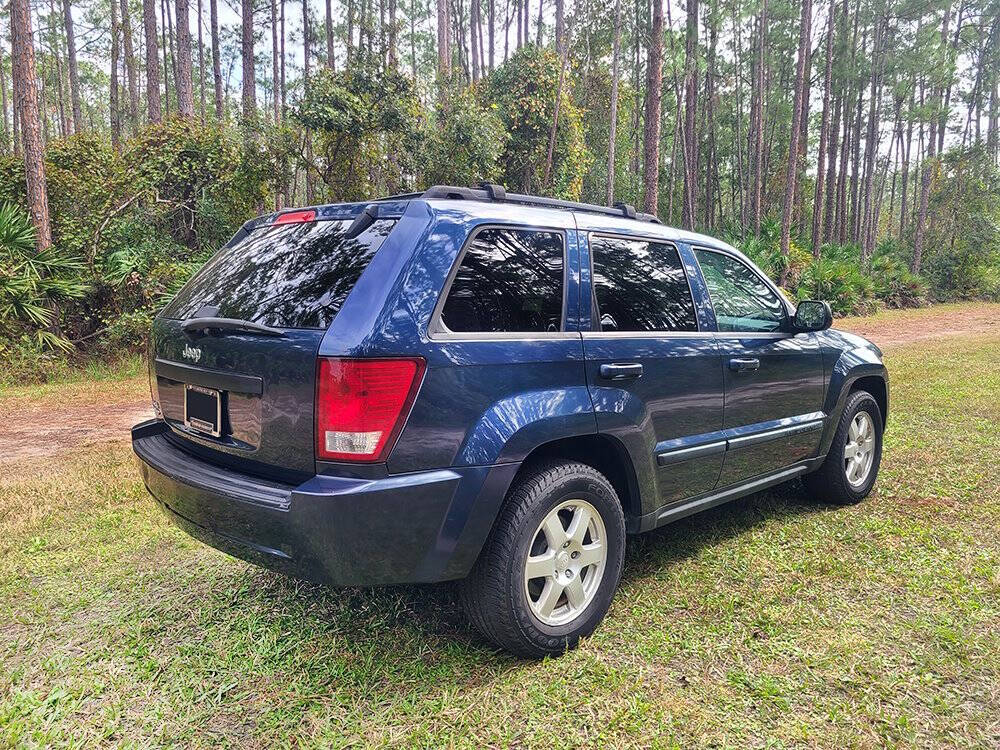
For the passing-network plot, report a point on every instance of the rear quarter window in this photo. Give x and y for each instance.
(509, 280)
(286, 276)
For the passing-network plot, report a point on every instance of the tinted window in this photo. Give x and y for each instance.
(509, 280)
(742, 301)
(640, 286)
(289, 276)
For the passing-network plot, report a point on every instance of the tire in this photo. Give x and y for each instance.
(830, 483)
(504, 605)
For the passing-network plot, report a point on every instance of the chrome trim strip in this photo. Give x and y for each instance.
(683, 454)
(763, 437)
(506, 336)
(598, 335)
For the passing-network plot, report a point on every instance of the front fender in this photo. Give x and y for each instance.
(514, 426)
(852, 365)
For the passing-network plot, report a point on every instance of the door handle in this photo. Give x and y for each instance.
(621, 371)
(744, 364)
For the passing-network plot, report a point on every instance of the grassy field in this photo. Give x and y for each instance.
(771, 622)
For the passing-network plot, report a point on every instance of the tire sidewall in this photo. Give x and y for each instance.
(862, 402)
(599, 493)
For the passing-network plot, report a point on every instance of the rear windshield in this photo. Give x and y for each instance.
(287, 276)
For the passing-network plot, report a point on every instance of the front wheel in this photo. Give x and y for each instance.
(851, 467)
(552, 564)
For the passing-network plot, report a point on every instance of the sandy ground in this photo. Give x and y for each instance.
(82, 416)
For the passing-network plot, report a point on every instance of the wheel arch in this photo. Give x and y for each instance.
(602, 452)
(876, 386)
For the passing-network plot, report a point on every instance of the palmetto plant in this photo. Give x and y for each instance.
(33, 282)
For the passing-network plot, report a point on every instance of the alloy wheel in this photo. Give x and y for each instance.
(565, 562)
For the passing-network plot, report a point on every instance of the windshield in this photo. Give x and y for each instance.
(286, 276)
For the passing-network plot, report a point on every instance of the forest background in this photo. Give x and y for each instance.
(849, 147)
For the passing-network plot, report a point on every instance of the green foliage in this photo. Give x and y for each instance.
(464, 143)
(962, 259)
(839, 282)
(365, 122)
(523, 93)
(765, 250)
(33, 283)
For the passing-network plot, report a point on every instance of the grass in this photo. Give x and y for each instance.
(21, 379)
(770, 622)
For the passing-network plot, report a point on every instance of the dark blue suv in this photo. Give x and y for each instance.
(470, 385)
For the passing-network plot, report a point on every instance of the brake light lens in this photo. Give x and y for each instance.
(295, 217)
(361, 405)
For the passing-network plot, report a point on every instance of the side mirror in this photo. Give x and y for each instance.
(812, 315)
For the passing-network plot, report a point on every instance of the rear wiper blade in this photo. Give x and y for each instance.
(229, 324)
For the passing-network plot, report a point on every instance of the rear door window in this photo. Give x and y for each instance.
(287, 276)
(640, 285)
(510, 280)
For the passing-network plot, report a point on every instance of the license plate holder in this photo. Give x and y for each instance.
(203, 409)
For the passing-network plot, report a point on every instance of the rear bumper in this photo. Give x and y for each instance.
(408, 528)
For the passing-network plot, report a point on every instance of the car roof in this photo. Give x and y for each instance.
(492, 202)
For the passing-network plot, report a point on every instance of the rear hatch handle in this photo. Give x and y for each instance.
(229, 324)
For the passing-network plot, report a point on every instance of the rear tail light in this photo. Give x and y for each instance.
(361, 405)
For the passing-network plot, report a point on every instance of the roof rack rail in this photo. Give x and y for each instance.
(490, 192)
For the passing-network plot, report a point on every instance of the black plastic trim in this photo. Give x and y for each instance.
(223, 381)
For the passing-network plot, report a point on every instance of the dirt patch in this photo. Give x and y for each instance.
(900, 327)
(42, 430)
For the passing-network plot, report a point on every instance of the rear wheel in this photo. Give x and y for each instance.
(851, 467)
(552, 564)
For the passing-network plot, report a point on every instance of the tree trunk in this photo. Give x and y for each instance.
(801, 92)
(6, 108)
(711, 167)
(560, 25)
(131, 67)
(871, 145)
(413, 41)
(930, 162)
(392, 42)
(284, 90)
(654, 93)
(26, 104)
(444, 53)
(473, 25)
(166, 65)
(74, 74)
(829, 210)
(246, 52)
(275, 63)
(555, 121)
(172, 47)
(213, 19)
(350, 32)
(905, 171)
(613, 127)
(306, 54)
(152, 60)
(690, 114)
(757, 122)
(201, 64)
(538, 40)
(491, 12)
(330, 61)
(824, 132)
(113, 100)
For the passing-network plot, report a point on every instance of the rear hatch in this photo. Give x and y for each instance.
(233, 366)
